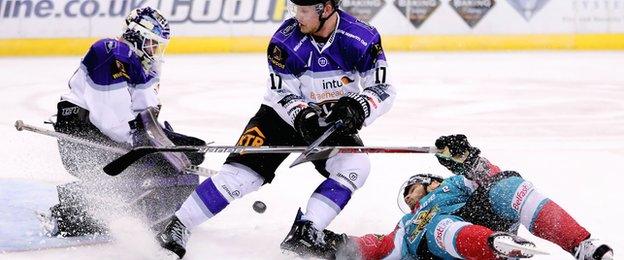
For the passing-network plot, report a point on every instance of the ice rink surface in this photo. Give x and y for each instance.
(556, 117)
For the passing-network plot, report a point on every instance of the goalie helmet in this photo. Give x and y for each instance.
(421, 178)
(147, 31)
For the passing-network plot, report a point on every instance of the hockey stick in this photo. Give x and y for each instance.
(118, 165)
(312, 153)
(20, 126)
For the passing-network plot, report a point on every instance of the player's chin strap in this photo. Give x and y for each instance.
(323, 20)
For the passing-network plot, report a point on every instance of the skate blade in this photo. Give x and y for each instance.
(510, 245)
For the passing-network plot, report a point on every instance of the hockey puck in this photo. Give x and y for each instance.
(259, 206)
(19, 125)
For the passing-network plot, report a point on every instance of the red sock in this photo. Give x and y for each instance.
(555, 225)
(472, 242)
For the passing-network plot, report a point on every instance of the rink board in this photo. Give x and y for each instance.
(242, 44)
(245, 26)
(19, 227)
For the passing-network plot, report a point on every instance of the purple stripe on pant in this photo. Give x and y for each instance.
(211, 197)
(335, 192)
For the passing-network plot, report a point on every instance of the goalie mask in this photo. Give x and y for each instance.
(147, 31)
(422, 178)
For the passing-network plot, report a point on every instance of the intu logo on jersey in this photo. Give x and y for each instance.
(329, 84)
(252, 137)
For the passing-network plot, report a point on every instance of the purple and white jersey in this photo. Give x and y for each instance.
(113, 86)
(351, 61)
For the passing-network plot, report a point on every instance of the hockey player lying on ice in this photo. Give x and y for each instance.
(465, 216)
(113, 100)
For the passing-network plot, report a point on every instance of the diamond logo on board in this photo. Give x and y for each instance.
(417, 11)
(527, 8)
(472, 10)
(363, 10)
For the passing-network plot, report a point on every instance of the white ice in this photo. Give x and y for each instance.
(556, 117)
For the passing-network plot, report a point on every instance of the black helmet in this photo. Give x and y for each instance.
(423, 178)
(335, 3)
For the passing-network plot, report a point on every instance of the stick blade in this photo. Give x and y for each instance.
(118, 165)
(314, 155)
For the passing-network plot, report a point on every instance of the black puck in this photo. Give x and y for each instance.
(259, 206)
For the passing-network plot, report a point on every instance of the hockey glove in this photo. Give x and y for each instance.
(456, 154)
(307, 124)
(352, 110)
(181, 139)
(147, 132)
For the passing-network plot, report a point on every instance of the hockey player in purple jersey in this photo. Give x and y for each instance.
(113, 100)
(324, 66)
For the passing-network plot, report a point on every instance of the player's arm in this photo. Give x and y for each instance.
(375, 80)
(112, 86)
(283, 87)
(369, 246)
(458, 156)
(374, 246)
(377, 96)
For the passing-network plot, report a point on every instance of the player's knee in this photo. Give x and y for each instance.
(441, 232)
(516, 199)
(350, 170)
(235, 181)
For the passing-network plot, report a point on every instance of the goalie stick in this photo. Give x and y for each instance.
(20, 126)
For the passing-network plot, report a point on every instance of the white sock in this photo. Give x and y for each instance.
(193, 212)
(319, 213)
